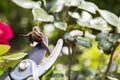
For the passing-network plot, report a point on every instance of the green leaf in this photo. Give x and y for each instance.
(74, 15)
(111, 78)
(4, 49)
(57, 6)
(115, 75)
(1, 72)
(76, 33)
(109, 17)
(84, 41)
(41, 15)
(85, 19)
(105, 45)
(69, 37)
(88, 6)
(99, 24)
(114, 38)
(101, 36)
(89, 35)
(60, 25)
(28, 4)
(72, 2)
(113, 67)
(14, 56)
(118, 27)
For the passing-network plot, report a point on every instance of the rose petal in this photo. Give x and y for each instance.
(4, 42)
(5, 31)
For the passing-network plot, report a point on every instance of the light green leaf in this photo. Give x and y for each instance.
(118, 26)
(76, 33)
(57, 6)
(112, 78)
(41, 15)
(72, 2)
(88, 6)
(28, 4)
(113, 67)
(69, 37)
(85, 19)
(74, 15)
(1, 72)
(114, 38)
(99, 24)
(89, 35)
(4, 49)
(109, 17)
(14, 56)
(60, 25)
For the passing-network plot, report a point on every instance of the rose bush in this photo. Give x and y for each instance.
(6, 33)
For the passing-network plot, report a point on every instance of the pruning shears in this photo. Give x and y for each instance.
(33, 65)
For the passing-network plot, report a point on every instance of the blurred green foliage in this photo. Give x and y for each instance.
(86, 63)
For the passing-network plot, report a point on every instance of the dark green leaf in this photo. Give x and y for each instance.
(101, 36)
(105, 45)
(28, 4)
(41, 15)
(115, 75)
(88, 6)
(109, 17)
(84, 41)
(86, 72)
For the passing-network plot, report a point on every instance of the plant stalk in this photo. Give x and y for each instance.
(110, 61)
(70, 63)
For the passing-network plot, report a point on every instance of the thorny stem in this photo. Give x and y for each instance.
(110, 61)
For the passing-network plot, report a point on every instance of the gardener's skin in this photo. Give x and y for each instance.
(37, 36)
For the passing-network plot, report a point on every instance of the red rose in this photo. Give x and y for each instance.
(5, 33)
